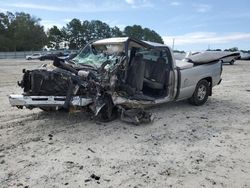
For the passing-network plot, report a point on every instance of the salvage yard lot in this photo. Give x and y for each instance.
(185, 146)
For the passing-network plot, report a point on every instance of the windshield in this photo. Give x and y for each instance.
(96, 55)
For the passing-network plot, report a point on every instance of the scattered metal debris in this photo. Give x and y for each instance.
(136, 116)
(95, 177)
(91, 150)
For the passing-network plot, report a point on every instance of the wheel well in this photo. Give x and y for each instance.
(209, 79)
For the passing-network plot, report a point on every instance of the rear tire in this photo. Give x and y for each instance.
(232, 62)
(200, 94)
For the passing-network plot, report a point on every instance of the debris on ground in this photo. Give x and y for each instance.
(93, 176)
(136, 116)
(89, 149)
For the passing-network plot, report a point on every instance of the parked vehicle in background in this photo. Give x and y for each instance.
(34, 56)
(231, 59)
(244, 56)
(179, 56)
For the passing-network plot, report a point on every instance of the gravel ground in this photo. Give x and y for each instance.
(185, 146)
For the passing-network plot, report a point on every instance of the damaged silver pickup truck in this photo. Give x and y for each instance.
(118, 75)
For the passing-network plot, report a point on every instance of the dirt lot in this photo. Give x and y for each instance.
(186, 146)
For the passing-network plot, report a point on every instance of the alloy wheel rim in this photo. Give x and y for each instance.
(201, 92)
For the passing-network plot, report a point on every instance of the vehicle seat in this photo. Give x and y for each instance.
(136, 71)
(156, 78)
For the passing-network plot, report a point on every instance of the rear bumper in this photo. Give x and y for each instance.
(39, 101)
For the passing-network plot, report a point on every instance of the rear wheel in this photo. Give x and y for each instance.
(200, 94)
(232, 62)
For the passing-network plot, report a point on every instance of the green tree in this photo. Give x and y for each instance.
(55, 37)
(78, 33)
(234, 49)
(75, 34)
(116, 32)
(99, 30)
(21, 31)
(96, 29)
(6, 35)
(218, 50)
(137, 32)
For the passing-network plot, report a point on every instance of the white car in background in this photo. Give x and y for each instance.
(231, 59)
(33, 56)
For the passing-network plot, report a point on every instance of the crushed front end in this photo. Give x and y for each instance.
(94, 80)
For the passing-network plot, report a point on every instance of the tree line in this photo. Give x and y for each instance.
(22, 32)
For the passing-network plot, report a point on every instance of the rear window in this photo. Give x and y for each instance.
(154, 54)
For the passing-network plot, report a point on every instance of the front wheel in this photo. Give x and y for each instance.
(200, 94)
(49, 109)
(107, 115)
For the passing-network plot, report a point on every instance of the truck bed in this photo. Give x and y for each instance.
(183, 64)
(190, 75)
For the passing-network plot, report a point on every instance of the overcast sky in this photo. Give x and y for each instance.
(195, 24)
